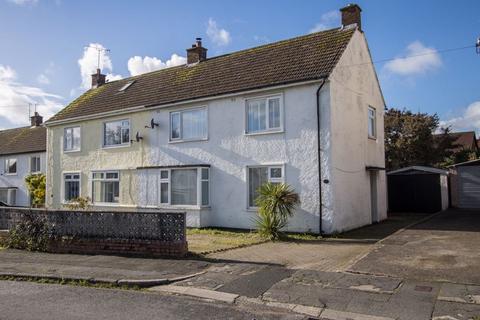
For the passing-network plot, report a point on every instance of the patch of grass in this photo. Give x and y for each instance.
(301, 237)
(69, 282)
(208, 240)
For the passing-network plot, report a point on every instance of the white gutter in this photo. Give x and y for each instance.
(160, 106)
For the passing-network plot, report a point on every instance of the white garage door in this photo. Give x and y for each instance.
(469, 187)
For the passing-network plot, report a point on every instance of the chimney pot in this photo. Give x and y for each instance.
(197, 52)
(351, 15)
(98, 79)
(36, 120)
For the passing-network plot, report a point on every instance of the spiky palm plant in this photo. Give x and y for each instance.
(276, 203)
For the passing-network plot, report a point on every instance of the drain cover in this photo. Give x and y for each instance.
(423, 288)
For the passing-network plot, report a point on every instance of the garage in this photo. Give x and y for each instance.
(465, 184)
(417, 189)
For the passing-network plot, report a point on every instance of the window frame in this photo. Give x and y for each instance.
(268, 129)
(64, 201)
(269, 177)
(122, 144)
(104, 179)
(65, 150)
(6, 168)
(180, 113)
(168, 181)
(374, 125)
(39, 165)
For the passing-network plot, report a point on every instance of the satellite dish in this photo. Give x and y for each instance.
(138, 138)
(152, 124)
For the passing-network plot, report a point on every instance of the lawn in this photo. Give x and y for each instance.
(202, 241)
(208, 240)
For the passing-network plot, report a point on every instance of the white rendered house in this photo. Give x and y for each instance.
(202, 137)
(22, 152)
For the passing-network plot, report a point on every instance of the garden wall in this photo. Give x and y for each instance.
(102, 232)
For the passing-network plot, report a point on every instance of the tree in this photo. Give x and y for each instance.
(410, 140)
(36, 186)
(276, 203)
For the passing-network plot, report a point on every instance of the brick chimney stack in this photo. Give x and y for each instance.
(36, 120)
(98, 79)
(196, 53)
(351, 15)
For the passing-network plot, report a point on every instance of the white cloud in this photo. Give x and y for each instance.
(89, 61)
(15, 97)
(419, 59)
(327, 21)
(138, 65)
(43, 79)
(468, 120)
(218, 36)
(24, 2)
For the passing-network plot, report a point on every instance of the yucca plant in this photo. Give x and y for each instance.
(276, 203)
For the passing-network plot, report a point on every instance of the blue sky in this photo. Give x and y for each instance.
(43, 42)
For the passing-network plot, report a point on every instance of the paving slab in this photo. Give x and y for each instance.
(366, 283)
(455, 311)
(460, 293)
(255, 284)
(196, 292)
(97, 267)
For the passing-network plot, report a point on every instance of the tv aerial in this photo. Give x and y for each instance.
(477, 45)
(138, 138)
(152, 125)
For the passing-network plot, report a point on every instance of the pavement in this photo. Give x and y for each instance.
(394, 270)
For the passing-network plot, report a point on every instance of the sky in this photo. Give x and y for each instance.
(48, 49)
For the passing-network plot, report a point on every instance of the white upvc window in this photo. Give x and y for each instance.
(71, 139)
(259, 175)
(189, 124)
(105, 187)
(185, 186)
(11, 166)
(372, 122)
(35, 164)
(264, 114)
(116, 133)
(71, 186)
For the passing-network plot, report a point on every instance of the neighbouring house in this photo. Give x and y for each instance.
(464, 141)
(202, 137)
(22, 152)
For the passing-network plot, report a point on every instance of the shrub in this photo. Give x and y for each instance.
(80, 203)
(276, 203)
(36, 186)
(32, 233)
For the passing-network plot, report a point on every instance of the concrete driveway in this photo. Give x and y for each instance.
(443, 248)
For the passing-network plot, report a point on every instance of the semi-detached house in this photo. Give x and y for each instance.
(202, 137)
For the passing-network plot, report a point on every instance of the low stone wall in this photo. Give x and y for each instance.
(101, 232)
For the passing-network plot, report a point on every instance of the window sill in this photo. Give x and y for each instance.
(10, 174)
(71, 151)
(372, 138)
(110, 204)
(264, 132)
(190, 140)
(36, 172)
(125, 145)
(252, 209)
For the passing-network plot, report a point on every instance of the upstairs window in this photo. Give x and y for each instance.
(71, 139)
(116, 133)
(189, 124)
(264, 114)
(35, 165)
(372, 123)
(11, 166)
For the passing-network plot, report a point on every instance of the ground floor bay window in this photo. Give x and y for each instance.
(185, 186)
(105, 187)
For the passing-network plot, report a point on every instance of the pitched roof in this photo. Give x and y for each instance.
(464, 140)
(23, 140)
(298, 59)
